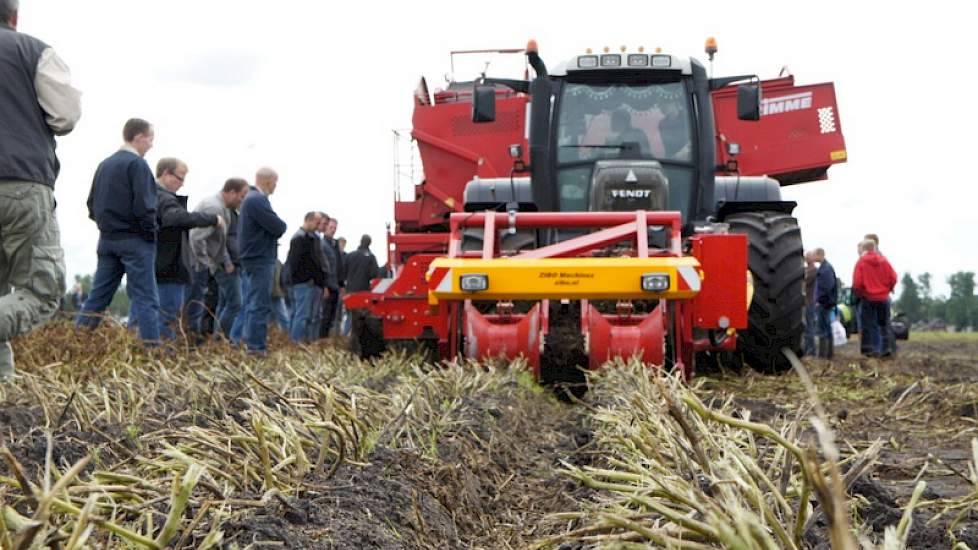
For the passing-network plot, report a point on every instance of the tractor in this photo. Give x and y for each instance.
(620, 205)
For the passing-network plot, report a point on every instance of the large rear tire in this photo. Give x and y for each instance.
(776, 318)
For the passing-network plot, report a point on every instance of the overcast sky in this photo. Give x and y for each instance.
(314, 90)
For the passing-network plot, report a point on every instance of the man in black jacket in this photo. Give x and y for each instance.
(307, 278)
(174, 257)
(361, 267)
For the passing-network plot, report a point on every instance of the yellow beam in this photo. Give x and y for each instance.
(563, 278)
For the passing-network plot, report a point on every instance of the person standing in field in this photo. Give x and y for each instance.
(280, 315)
(123, 204)
(826, 299)
(37, 103)
(260, 229)
(873, 280)
(174, 259)
(361, 267)
(334, 281)
(212, 257)
(889, 338)
(307, 278)
(811, 311)
(236, 329)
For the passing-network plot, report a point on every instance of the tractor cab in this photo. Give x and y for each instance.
(623, 135)
(625, 132)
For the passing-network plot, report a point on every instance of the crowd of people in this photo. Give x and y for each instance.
(873, 280)
(171, 255)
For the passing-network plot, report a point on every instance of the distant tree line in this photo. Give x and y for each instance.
(958, 310)
(118, 308)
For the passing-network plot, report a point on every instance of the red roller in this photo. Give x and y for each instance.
(625, 336)
(509, 336)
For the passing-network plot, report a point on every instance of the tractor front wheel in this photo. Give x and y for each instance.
(776, 318)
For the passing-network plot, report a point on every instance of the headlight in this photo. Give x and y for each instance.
(474, 282)
(613, 60)
(661, 60)
(638, 60)
(587, 61)
(655, 282)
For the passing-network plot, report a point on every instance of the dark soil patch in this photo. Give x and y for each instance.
(385, 505)
(491, 483)
(883, 510)
(760, 410)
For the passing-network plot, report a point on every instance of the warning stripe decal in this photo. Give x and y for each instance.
(445, 282)
(690, 277)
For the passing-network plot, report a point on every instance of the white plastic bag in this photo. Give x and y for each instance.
(839, 337)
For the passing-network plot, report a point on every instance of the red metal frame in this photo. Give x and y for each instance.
(797, 139)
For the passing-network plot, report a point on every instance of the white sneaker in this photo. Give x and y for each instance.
(6, 362)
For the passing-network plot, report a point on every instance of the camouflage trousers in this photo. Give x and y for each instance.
(32, 267)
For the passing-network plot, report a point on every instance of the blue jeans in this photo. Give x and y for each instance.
(316, 321)
(305, 296)
(280, 314)
(258, 303)
(135, 258)
(195, 300)
(889, 338)
(330, 307)
(876, 323)
(171, 307)
(825, 314)
(811, 329)
(240, 323)
(228, 300)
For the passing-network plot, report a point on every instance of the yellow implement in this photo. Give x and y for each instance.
(663, 278)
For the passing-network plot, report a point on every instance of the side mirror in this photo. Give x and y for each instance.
(483, 104)
(749, 102)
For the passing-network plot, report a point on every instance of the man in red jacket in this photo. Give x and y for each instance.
(873, 280)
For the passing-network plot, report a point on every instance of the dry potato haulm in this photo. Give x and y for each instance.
(594, 323)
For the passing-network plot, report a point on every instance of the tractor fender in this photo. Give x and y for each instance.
(735, 194)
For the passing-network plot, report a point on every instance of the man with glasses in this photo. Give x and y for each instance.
(174, 257)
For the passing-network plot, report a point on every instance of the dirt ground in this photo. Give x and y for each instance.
(922, 403)
(490, 476)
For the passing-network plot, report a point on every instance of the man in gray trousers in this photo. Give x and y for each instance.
(37, 102)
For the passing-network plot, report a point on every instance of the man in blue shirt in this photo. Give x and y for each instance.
(826, 298)
(258, 234)
(123, 204)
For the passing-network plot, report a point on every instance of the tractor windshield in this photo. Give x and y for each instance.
(653, 117)
(600, 121)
